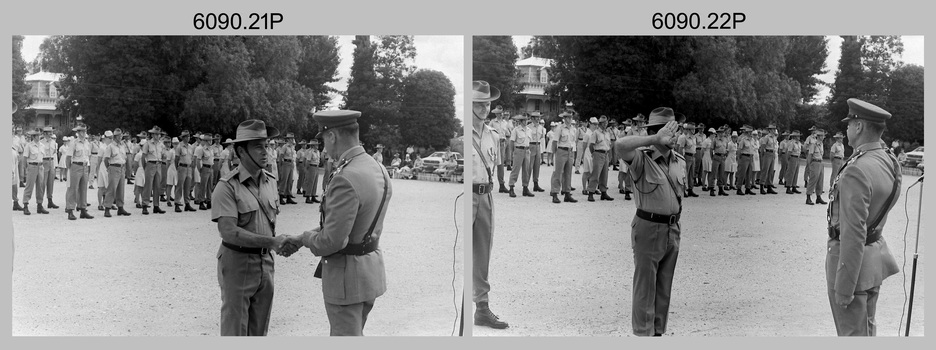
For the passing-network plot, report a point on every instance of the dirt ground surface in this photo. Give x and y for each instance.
(747, 266)
(157, 274)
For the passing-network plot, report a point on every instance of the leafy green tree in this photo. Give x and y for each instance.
(905, 103)
(428, 109)
(318, 66)
(493, 60)
(20, 89)
(805, 60)
(541, 46)
(849, 80)
(878, 57)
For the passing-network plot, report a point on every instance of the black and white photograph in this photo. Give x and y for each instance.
(230, 185)
(723, 186)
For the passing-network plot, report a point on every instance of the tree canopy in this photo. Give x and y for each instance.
(493, 60)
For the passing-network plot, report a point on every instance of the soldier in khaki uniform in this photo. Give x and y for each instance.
(537, 132)
(245, 209)
(837, 155)
(686, 145)
(33, 152)
(768, 145)
(48, 164)
(152, 160)
(600, 146)
(353, 209)
(865, 190)
(815, 168)
(660, 178)
(520, 143)
(114, 157)
(287, 159)
(77, 157)
(565, 139)
(794, 148)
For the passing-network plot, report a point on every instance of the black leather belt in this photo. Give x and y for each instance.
(48, 158)
(482, 188)
(359, 248)
(872, 237)
(688, 154)
(745, 155)
(698, 148)
(164, 163)
(183, 165)
(245, 250)
(153, 161)
(80, 163)
(600, 151)
(769, 150)
(662, 219)
(206, 166)
(116, 165)
(287, 160)
(534, 143)
(93, 153)
(35, 163)
(565, 148)
(837, 158)
(521, 147)
(720, 154)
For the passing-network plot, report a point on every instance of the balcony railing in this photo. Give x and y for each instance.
(43, 103)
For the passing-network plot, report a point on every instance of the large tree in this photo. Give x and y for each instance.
(493, 60)
(20, 89)
(905, 103)
(805, 61)
(849, 80)
(428, 110)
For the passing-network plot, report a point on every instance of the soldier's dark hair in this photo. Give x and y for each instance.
(875, 127)
(348, 130)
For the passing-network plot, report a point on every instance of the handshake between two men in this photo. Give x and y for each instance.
(286, 245)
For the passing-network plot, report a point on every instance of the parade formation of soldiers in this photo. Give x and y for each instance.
(748, 161)
(178, 172)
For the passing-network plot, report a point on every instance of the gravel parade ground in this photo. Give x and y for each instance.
(748, 266)
(156, 275)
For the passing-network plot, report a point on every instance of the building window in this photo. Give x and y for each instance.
(536, 105)
(53, 92)
(543, 76)
(47, 120)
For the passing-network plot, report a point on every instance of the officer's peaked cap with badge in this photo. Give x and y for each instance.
(858, 109)
(481, 91)
(254, 129)
(331, 119)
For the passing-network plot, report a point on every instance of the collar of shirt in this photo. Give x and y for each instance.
(656, 155)
(243, 175)
(870, 146)
(351, 152)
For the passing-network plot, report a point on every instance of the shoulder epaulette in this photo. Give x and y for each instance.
(268, 173)
(231, 174)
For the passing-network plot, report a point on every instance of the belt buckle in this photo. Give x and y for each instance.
(673, 219)
(482, 188)
(264, 251)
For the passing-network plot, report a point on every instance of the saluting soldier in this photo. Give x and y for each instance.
(815, 168)
(245, 210)
(837, 155)
(48, 164)
(351, 226)
(76, 157)
(659, 176)
(33, 152)
(866, 189)
(537, 132)
(565, 138)
(520, 143)
(485, 155)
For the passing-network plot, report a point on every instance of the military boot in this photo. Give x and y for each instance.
(71, 214)
(555, 198)
(503, 189)
(484, 317)
(188, 207)
(145, 210)
(526, 192)
(627, 196)
(606, 197)
(809, 200)
(721, 191)
(512, 194)
(107, 213)
(40, 209)
(26, 209)
(537, 188)
(819, 199)
(85, 215)
(122, 212)
(591, 196)
(158, 210)
(568, 198)
(16, 206)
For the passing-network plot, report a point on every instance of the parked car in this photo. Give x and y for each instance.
(914, 157)
(433, 161)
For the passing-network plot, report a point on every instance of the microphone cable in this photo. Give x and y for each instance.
(903, 269)
(454, 260)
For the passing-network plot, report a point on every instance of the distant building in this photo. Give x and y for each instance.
(534, 77)
(44, 92)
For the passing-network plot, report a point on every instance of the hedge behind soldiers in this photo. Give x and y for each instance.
(353, 209)
(659, 177)
(858, 259)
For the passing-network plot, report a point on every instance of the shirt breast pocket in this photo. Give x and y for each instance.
(651, 181)
(247, 208)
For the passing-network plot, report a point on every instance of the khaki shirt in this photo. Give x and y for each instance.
(49, 147)
(33, 152)
(720, 145)
(601, 140)
(566, 136)
(185, 153)
(254, 205)
(747, 145)
(79, 150)
(649, 170)
(814, 150)
(521, 136)
(768, 142)
(782, 146)
(837, 150)
(152, 151)
(686, 144)
(204, 154)
(116, 152)
(487, 143)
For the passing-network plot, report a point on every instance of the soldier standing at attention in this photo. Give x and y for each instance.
(301, 156)
(719, 152)
(501, 127)
(19, 141)
(699, 138)
(731, 160)
(794, 148)
(815, 168)
(659, 177)
(287, 157)
(837, 155)
(33, 152)
(185, 157)
(204, 159)
(564, 140)
(313, 161)
(865, 190)
(48, 164)
(768, 144)
(95, 159)
(599, 144)
(783, 156)
(745, 158)
(520, 143)
(152, 158)
(537, 132)
(76, 158)
(686, 145)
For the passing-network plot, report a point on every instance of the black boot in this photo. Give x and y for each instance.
(26, 209)
(627, 196)
(208, 205)
(484, 317)
(145, 210)
(511, 191)
(740, 193)
(762, 190)
(100, 208)
(809, 200)
(721, 191)
(282, 200)
(85, 215)
(568, 198)
(16, 206)
(178, 208)
(107, 213)
(162, 198)
(40, 209)
(711, 191)
(606, 197)
(203, 207)
(770, 190)
(692, 193)
(555, 197)
(289, 200)
(71, 214)
(308, 200)
(188, 207)
(819, 199)
(789, 190)
(621, 191)
(536, 187)
(526, 192)
(749, 192)
(795, 190)
(503, 189)
(315, 199)
(591, 196)
(122, 212)
(158, 210)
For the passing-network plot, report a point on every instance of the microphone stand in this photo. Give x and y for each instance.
(916, 255)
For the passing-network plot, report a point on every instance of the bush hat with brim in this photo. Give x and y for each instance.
(481, 91)
(254, 129)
